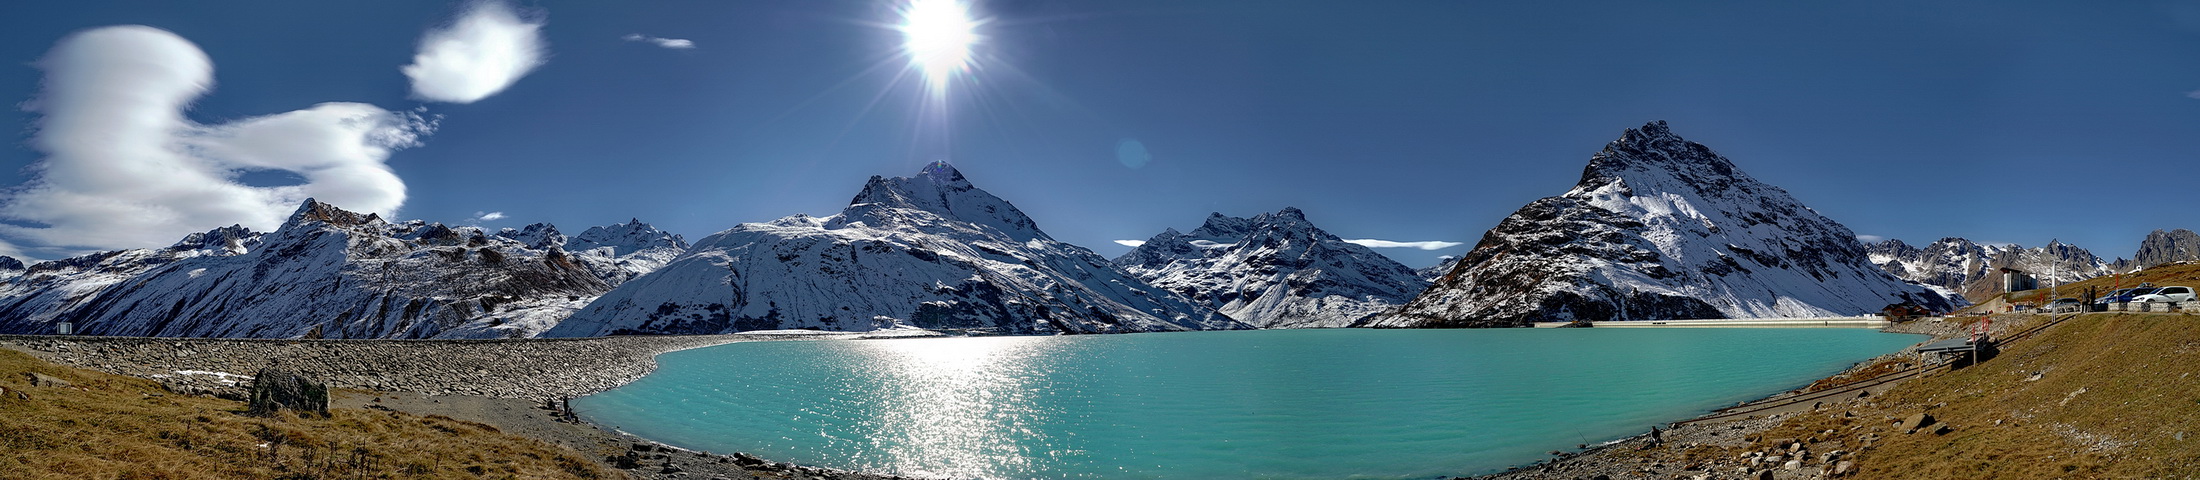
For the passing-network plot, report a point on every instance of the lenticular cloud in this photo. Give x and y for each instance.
(484, 50)
(125, 169)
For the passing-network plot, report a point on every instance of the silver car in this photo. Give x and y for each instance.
(2166, 295)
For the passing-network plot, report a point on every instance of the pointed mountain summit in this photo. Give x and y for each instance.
(929, 251)
(1659, 228)
(942, 191)
(1275, 270)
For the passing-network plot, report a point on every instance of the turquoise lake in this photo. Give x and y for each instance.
(1346, 403)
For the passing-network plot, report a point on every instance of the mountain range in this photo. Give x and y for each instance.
(1657, 227)
(332, 273)
(931, 251)
(1275, 270)
(1973, 270)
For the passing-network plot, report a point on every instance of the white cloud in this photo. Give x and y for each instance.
(672, 43)
(1870, 238)
(482, 51)
(488, 216)
(2195, 94)
(125, 169)
(1427, 245)
(1130, 243)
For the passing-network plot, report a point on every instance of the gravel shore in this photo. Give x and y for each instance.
(529, 369)
(502, 383)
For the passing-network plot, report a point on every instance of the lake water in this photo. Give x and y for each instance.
(1347, 403)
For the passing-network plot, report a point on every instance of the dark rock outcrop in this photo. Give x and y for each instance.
(275, 389)
(2161, 247)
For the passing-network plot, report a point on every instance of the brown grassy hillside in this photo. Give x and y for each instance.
(113, 427)
(2099, 396)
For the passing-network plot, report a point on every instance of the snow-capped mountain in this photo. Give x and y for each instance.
(1433, 272)
(1973, 270)
(1659, 228)
(1275, 270)
(626, 249)
(326, 272)
(930, 251)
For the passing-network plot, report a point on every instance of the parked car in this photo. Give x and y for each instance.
(2061, 305)
(2123, 295)
(2166, 295)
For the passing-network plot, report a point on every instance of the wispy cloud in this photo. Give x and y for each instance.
(2195, 94)
(123, 167)
(672, 43)
(484, 50)
(488, 216)
(1870, 238)
(1130, 243)
(1424, 245)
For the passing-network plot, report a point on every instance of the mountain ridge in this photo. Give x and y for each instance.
(1274, 270)
(927, 251)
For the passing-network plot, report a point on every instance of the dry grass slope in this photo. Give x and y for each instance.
(113, 427)
(2115, 396)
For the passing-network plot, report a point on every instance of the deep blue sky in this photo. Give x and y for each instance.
(1997, 121)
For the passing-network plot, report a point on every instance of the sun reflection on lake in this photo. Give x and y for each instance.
(953, 407)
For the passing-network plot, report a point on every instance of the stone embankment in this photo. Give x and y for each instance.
(530, 369)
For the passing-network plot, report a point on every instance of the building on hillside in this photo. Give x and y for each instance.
(2014, 280)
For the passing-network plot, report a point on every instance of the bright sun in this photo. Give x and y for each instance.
(938, 34)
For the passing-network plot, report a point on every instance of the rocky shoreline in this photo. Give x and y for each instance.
(502, 383)
(530, 369)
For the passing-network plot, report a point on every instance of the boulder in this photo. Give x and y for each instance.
(1845, 468)
(747, 460)
(43, 380)
(625, 462)
(1914, 423)
(277, 388)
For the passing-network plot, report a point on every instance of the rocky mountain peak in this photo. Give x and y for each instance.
(2167, 246)
(230, 240)
(1288, 216)
(626, 238)
(1218, 225)
(536, 236)
(941, 190)
(1653, 158)
(316, 211)
(1670, 229)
